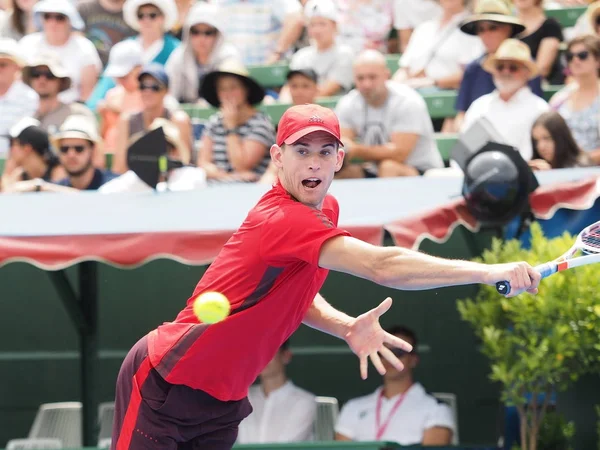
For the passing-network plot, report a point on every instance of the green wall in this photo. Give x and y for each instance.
(38, 344)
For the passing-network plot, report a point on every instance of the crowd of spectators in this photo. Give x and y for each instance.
(118, 66)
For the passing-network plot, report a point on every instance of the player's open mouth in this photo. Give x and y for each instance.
(311, 182)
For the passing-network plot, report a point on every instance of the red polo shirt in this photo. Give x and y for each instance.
(269, 272)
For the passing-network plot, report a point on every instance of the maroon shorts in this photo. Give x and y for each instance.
(151, 414)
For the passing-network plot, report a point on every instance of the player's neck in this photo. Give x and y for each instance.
(392, 388)
(272, 383)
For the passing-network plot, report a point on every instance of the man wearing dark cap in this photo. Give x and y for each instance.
(154, 84)
(303, 87)
(34, 160)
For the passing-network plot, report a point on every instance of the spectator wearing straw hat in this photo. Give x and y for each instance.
(34, 161)
(60, 23)
(512, 108)
(186, 178)
(17, 100)
(236, 141)
(76, 142)
(47, 77)
(493, 23)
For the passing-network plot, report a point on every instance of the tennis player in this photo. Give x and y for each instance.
(184, 385)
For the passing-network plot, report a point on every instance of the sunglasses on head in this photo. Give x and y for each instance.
(582, 56)
(207, 33)
(150, 87)
(483, 29)
(150, 15)
(57, 17)
(36, 73)
(512, 68)
(64, 149)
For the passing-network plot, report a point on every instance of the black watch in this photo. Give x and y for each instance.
(232, 131)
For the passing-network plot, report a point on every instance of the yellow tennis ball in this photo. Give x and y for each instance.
(211, 307)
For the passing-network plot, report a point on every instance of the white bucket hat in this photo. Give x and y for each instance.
(64, 7)
(9, 49)
(167, 7)
(123, 58)
(77, 127)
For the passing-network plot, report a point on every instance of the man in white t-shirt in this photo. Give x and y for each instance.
(512, 107)
(400, 410)
(409, 14)
(385, 126)
(282, 412)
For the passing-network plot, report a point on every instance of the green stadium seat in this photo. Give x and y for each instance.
(567, 17)
(445, 142)
(269, 76)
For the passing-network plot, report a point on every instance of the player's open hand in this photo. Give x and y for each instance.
(521, 276)
(366, 338)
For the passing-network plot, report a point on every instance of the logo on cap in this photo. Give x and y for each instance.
(315, 119)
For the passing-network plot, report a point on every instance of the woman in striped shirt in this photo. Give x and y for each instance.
(236, 140)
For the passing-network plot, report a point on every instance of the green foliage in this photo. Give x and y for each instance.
(541, 342)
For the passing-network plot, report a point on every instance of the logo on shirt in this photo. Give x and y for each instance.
(363, 413)
(315, 119)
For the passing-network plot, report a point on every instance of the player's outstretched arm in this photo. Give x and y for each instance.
(402, 268)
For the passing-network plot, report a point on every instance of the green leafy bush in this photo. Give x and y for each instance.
(537, 343)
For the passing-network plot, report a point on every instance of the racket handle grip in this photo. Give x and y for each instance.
(545, 270)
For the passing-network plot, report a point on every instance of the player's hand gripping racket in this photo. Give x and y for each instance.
(588, 243)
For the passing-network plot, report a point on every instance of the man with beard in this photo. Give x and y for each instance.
(512, 108)
(76, 143)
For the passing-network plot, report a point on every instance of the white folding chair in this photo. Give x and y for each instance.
(106, 413)
(326, 417)
(450, 400)
(104, 443)
(34, 444)
(59, 420)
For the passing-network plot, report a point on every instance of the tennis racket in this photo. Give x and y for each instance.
(587, 245)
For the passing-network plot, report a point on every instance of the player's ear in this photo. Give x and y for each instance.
(276, 155)
(340, 159)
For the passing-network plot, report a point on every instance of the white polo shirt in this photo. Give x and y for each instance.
(286, 415)
(442, 51)
(513, 119)
(19, 101)
(408, 14)
(418, 412)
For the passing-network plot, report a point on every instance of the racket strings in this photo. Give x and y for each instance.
(591, 241)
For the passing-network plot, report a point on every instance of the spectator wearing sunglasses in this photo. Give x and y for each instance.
(203, 50)
(76, 143)
(152, 19)
(512, 108)
(579, 101)
(60, 26)
(48, 78)
(493, 23)
(399, 411)
(153, 84)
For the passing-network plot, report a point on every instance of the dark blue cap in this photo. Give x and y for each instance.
(156, 71)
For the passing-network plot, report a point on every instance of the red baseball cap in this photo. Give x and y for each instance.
(300, 120)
